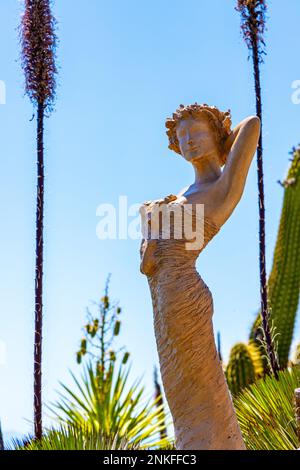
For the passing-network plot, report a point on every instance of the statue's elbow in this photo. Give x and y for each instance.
(254, 124)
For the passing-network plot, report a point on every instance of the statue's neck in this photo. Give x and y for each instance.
(207, 170)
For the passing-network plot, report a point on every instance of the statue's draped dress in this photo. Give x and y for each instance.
(192, 375)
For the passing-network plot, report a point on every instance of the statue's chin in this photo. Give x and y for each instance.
(194, 156)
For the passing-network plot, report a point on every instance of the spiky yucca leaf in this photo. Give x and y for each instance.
(75, 438)
(265, 411)
(112, 408)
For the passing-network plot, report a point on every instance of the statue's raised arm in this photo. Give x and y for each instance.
(240, 146)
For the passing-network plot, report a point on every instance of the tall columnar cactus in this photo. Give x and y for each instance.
(240, 371)
(284, 280)
(257, 358)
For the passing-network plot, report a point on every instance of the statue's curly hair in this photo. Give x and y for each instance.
(220, 123)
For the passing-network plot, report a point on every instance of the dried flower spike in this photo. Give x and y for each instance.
(253, 23)
(38, 41)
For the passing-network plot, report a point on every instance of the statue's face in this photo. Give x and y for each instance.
(196, 139)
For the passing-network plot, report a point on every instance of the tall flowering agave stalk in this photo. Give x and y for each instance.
(38, 41)
(253, 19)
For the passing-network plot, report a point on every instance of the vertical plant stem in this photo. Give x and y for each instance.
(261, 204)
(39, 275)
(253, 24)
(38, 41)
(103, 327)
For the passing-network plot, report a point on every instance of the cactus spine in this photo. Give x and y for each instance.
(284, 280)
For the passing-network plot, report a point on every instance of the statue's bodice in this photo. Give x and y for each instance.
(192, 375)
(174, 233)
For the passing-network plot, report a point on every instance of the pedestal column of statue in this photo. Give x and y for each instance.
(175, 230)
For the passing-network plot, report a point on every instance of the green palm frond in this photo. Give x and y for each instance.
(265, 412)
(112, 407)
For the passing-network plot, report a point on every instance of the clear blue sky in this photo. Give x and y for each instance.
(125, 67)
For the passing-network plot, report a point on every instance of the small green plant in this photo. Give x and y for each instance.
(265, 411)
(100, 333)
(108, 404)
(74, 438)
(103, 400)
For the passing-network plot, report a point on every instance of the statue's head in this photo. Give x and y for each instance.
(198, 130)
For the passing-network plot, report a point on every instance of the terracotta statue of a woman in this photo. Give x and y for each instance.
(192, 375)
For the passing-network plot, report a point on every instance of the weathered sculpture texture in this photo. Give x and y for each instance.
(175, 230)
